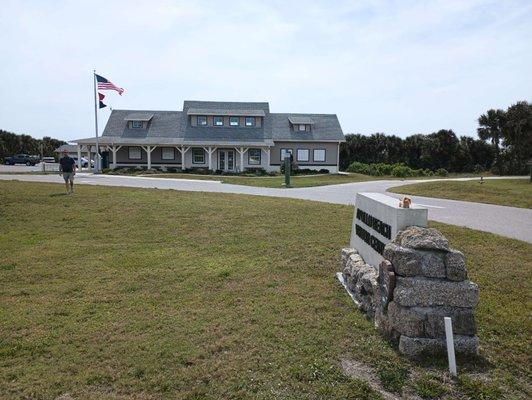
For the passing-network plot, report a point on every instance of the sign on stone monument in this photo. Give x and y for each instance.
(376, 221)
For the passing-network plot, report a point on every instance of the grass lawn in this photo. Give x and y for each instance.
(506, 192)
(116, 293)
(276, 181)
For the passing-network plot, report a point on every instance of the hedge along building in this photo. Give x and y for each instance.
(226, 136)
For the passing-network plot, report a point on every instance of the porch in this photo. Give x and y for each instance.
(223, 157)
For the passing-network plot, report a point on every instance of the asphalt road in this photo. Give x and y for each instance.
(506, 221)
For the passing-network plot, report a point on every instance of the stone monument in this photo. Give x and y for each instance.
(413, 279)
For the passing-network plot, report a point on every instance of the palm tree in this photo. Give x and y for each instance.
(491, 127)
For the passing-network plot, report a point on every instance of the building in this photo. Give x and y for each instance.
(225, 136)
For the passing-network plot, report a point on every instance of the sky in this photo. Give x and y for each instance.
(398, 67)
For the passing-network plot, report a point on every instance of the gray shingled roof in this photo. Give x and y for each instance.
(326, 128)
(300, 120)
(222, 112)
(171, 127)
(139, 116)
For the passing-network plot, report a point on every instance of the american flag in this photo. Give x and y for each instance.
(105, 84)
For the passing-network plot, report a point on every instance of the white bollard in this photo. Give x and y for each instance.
(450, 345)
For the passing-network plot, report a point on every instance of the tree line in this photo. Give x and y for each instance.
(504, 146)
(11, 143)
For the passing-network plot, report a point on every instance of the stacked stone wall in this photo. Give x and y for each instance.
(421, 281)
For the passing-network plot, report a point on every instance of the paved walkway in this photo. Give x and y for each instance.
(506, 221)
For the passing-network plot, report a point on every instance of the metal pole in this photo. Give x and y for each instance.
(42, 162)
(97, 158)
(450, 345)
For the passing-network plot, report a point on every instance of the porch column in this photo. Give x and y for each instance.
(114, 149)
(148, 150)
(241, 152)
(210, 151)
(182, 150)
(267, 152)
(79, 157)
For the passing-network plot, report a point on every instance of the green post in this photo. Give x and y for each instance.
(287, 171)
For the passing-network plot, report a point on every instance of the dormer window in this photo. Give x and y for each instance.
(234, 121)
(250, 121)
(218, 121)
(202, 120)
(302, 127)
(136, 124)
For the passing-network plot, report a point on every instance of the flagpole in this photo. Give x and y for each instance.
(97, 155)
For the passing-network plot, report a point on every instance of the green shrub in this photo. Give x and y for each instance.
(358, 168)
(442, 172)
(402, 171)
(383, 169)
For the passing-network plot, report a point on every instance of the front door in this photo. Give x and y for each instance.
(226, 160)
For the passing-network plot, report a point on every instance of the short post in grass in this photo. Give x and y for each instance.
(450, 345)
(287, 166)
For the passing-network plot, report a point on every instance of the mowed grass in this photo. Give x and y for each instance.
(118, 293)
(505, 192)
(275, 181)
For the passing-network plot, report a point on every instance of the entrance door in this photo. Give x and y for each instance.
(226, 160)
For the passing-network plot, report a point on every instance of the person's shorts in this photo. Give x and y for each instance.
(68, 176)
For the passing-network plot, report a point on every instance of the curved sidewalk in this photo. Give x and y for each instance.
(506, 221)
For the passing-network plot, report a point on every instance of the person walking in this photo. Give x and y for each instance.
(67, 168)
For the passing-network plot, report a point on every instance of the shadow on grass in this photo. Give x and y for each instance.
(57, 194)
(470, 363)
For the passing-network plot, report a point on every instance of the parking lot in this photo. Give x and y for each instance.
(48, 167)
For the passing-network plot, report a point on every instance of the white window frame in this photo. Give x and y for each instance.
(283, 151)
(215, 123)
(129, 154)
(255, 160)
(165, 152)
(136, 124)
(302, 127)
(299, 158)
(319, 159)
(198, 120)
(195, 153)
(237, 121)
(251, 119)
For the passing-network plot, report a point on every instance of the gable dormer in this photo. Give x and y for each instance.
(138, 120)
(222, 117)
(300, 123)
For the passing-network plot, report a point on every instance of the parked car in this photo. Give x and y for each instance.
(84, 161)
(48, 160)
(21, 159)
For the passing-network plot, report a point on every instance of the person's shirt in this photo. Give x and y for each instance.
(67, 164)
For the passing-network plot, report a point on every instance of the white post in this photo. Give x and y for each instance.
(148, 150)
(79, 157)
(210, 158)
(114, 149)
(241, 159)
(450, 345)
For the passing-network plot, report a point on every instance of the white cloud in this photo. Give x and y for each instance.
(395, 67)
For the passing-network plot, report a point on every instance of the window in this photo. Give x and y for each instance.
(284, 152)
(302, 127)
(198, 156)
(218, 121)
(254, 156)
(202, 120)
(234, 121)
(134, 153)
(167, 153)
(250, 121)
(319, 155)
(136, 124)
(302, 154)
